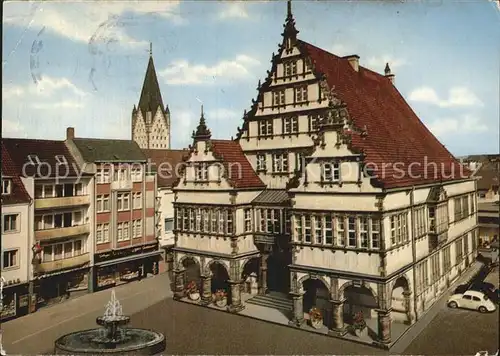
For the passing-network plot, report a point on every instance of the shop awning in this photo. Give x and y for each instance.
(127, 259)
(63, 271)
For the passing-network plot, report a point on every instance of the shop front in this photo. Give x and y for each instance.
(15, 301)
(58, 286)
(126, 265)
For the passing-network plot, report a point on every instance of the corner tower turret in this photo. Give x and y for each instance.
(151, 120)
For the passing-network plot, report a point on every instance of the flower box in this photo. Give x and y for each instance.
(316, 318)
(220, 298)
(194, 296)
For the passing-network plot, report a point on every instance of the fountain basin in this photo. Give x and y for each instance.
(89, 342)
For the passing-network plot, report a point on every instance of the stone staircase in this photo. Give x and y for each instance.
(273, 300)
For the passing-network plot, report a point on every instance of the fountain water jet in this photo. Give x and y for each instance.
(113, 337)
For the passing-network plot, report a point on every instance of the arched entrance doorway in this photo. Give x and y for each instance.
(400, 301)
(192, 271)
(250, 276)
(359, 299)
(220, 278)
(317, 295)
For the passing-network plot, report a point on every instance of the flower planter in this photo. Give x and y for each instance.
(316, 323)
(194, 296)
(221, 303)
(361, 332)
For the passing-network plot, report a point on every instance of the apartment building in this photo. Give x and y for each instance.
(167, 165)
(326, 198)
(61, 217)
(16, 269)
(125, 245)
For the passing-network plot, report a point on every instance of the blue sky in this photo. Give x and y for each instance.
(82, 65)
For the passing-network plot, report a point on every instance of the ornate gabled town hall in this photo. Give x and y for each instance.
(306, 208)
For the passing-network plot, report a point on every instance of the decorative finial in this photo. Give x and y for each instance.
(290, 31)
(289, 9)
(151, 49)
(202, 132)
(387, 69)
(201, 110)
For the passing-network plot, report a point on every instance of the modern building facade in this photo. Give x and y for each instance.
(61, 218)
(151, 119)
(125, 246)
(333, 193)
(17, 237)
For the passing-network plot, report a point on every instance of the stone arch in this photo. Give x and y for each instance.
(219, 276)
(208, 267)
(304, 278)
(250, 265)
(358, 297)
(400, 299)
(192, 269)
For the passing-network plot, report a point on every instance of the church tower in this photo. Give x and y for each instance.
(150, 119)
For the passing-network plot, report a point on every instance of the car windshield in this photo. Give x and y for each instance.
(485, 297)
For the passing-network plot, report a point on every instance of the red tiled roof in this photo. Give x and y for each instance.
(18, 192)
(239, 171)
(394, 132)
(166, 164)
(46, 150)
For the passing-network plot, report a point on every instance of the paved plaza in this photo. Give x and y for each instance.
(191, 329)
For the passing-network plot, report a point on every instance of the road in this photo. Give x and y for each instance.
(191, 329)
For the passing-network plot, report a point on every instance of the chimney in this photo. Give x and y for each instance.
(353, 61)
(388, 73)
(70, 133)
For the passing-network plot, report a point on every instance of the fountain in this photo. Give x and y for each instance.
(112, 337)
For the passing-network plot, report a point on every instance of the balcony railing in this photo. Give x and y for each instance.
(65, 263)
(49, 234)
(45, 203)
(436, 240)
(122, 184)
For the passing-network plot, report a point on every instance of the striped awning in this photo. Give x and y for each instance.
(128, 258)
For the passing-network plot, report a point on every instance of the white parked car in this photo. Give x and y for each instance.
(472, 299)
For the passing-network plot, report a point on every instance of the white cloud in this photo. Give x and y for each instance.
(64, 104)
(183, 73)
(466, 124)
(12, 128)
(457, 96)
(234, 9)
(186, 122)
(341, 50)
(98, 23)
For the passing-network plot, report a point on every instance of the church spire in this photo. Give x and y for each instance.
(150, 98)
(290, 32)
(202, 132)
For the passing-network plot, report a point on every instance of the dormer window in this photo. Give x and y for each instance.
(330, 172)
(201, 172)
(6, 186)
(33, 159)
(61, 159)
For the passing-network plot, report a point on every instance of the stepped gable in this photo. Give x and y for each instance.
(393, 132)
(233, 158)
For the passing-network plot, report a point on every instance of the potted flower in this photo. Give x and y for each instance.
(316, 318)
(192, 291)
(220, 298)
(359, 324)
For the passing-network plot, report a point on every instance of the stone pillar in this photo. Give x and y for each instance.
(263, 273)
(92, 279)
(236, 304)
(32, 297)
(337, 327)
(384, 326)
(206, 295)
(178, 284)
(298, 309)
(408, 307)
